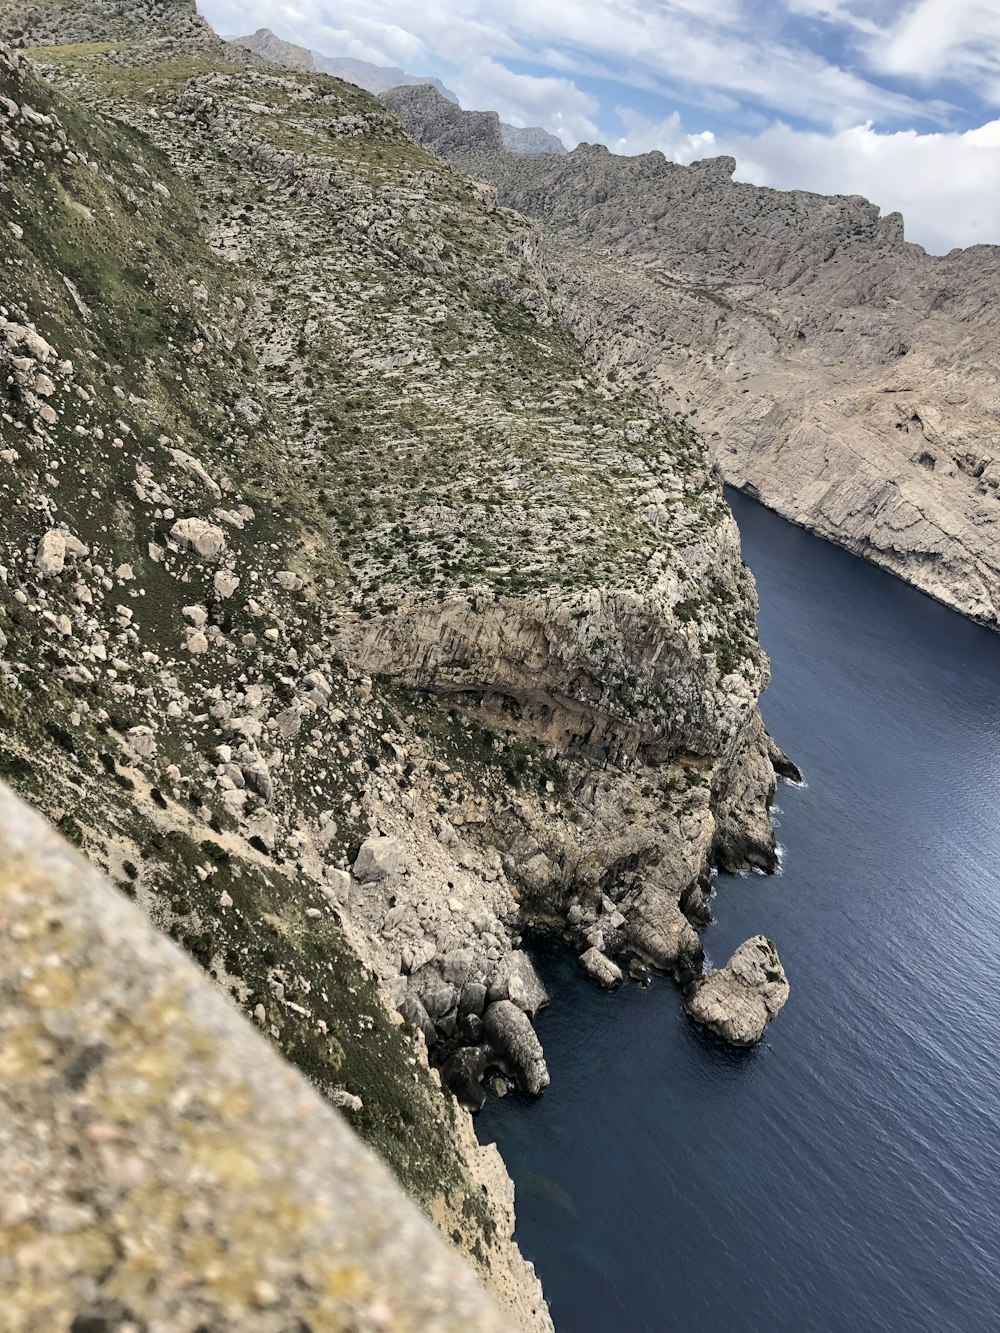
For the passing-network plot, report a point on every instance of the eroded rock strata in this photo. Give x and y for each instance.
(348, 619)
(844, 377)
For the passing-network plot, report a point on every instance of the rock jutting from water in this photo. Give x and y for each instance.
(737, 1001)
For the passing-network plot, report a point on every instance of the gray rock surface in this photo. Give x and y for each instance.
(530, 140)
(515, 979)
(161, 1163)
(276, 51)
(463, 1074)
(379, 858)
(737, 1001)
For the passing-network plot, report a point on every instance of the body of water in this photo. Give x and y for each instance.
(844, 1175)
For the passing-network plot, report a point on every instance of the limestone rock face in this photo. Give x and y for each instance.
(530, 140)
(737, 1001)
(94, 20)
(842, 376)
(269, 47)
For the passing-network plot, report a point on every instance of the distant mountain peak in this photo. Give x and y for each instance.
(269, 46)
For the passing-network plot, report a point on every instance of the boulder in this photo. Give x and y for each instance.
(441, 1005)
(515, 979)
(737, 1001)
(600, 967)
(414, 1013)
(379, 858)
(518, 1050)
(225, 584)
(471, 1028)
(473, 998)
(661, 934)
(53, 550)
(456, 966)
(199, 536)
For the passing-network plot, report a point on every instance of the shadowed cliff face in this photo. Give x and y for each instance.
(350, 620)
(844, 377)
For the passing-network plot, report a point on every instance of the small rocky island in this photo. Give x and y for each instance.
(737, 1001)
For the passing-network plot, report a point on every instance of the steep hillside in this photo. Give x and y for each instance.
(844, 377)
(347, 617)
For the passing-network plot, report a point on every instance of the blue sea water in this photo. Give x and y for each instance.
(843, 1176)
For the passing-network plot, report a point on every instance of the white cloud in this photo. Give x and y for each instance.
(642, 135)
(710, 48)
(957, 39)
(558, 105)
(836, 13)
(947, 186)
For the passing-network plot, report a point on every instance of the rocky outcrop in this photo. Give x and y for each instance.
(516, 1047)
(38, 22)
(377, 79)
(842, 376)
(736, 1002)
(163, 1167)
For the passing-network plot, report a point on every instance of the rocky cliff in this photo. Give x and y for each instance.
(842, 376)
(348, 619)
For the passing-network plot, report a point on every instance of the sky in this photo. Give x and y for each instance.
(897, 100)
